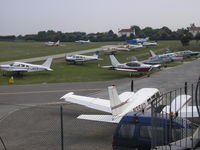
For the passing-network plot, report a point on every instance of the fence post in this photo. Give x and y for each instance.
(61, 127)
(185, 88)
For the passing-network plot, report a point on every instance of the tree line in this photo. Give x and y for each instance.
(163, 33)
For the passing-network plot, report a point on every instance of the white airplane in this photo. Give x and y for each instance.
(82, 58)
(173, 56)
(25, 67)
(113, 50)
(82, 41)
(149, 43)
(135, 46)
(52, 43)
(117, 105)
(133, 66)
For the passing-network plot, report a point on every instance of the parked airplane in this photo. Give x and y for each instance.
(82, 58)
(82, 41)
(52, 43)
(188, 53)
(133, 66)
(135, 46)
(173, 56)
(113, 50)
(25, 67)
(149, 44)
(117, 105)
(138, 40)
(157, 59)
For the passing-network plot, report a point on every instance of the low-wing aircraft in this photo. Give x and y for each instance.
(82, 41)
(188, 53)
(82, 58)
(149, 44)
(138, 40)
(52, 43)
(173, 56)
(26, 67)
(117, 105)
(135, 46)
(113, 50)
(157, 59)
(133, 66)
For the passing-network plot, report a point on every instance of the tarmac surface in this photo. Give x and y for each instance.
(30, 114)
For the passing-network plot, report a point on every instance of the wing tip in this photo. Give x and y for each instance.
(66, 95)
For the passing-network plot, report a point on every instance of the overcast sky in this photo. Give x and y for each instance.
(30, 16)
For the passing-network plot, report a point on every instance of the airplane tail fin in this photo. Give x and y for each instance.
(115, 102)
(152, 53)
(114, 61)
(47, 63)
(57, 43)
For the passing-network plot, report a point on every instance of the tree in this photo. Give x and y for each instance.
(185, 40)
(197, 37)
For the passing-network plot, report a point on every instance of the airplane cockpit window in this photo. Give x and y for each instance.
(127, 130)
(22, 65)
(133, 64)
(12, 64)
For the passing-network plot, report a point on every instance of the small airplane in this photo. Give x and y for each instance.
(82, 58)
(157, 59)
(135, 46)
(133, 66)
(52, 43)
(149, 44)
(113, 50)
(117, 105)
(173, 56)
(82, 41)
(26, 67)
(138, 40)
(188, 53)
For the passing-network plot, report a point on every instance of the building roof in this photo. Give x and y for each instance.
(195, 29)
(125, 30)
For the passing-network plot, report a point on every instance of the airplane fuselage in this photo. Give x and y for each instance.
(80, 58)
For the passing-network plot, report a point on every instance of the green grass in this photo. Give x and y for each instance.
(89, 71)
(21, 50)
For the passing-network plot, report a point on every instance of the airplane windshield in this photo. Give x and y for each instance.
(133, 64)
(11, 64)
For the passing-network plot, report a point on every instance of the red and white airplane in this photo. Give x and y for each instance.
(133, 66)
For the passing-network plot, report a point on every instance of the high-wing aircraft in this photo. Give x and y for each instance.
(138, 40)
(26, 67)
(117, 105)
(82, 58)
(82, 41)
(133, 66)
(52, 43)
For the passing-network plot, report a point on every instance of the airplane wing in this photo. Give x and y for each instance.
(108, 67)
(177, 104)
(128, 70)
(188, 112)
(17, 70)
(101, 118)
(90, 102)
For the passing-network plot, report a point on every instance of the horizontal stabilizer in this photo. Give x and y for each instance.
(90, 102)
(101, 118)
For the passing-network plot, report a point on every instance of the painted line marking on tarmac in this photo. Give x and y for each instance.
(50, 91)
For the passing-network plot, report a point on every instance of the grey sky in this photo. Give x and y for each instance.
(30, 16)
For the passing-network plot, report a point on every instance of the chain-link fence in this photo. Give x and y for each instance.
(175, 118)
(52, 127)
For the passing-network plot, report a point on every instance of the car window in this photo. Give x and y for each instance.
(127, 131)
